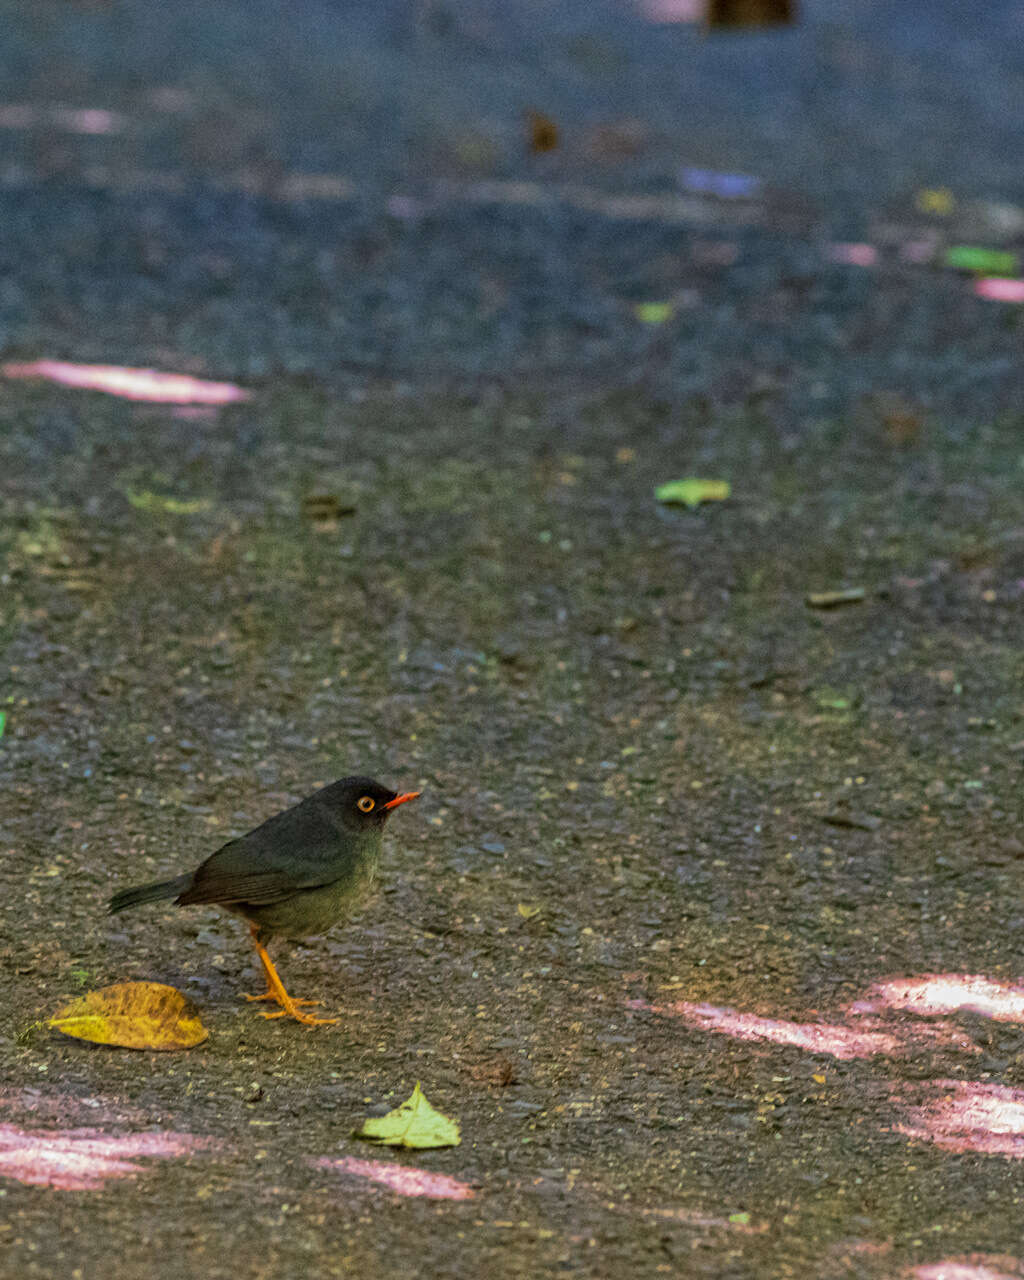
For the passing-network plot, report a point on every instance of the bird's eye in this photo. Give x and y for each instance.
(366, 803)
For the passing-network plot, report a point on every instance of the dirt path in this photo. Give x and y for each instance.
(631, 733)
(706, 926)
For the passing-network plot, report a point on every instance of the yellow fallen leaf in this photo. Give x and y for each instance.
(528, 910)
(133, 1015)
(832, 599)
(936, 200)
(414, 1124)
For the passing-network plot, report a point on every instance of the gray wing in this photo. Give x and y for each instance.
(295, 850)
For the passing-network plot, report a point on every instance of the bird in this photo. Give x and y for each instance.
(298, 873)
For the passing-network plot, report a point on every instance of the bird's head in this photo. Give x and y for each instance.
(361, 802)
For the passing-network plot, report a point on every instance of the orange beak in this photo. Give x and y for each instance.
(406, 795)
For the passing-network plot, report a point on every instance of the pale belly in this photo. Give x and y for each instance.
(310, 911)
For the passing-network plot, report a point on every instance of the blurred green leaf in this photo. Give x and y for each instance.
(691, 492)
(146, 500)
(830, 599)
(969, 257)
(832, 700)
(653, 312)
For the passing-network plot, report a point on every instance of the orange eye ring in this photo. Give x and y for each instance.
(366, 803)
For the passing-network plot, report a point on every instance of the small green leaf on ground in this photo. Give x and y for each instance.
(133, 1015)
(832, 700)
(740, 1219)
(146, 500)
(691, 491)
(3, 722)
(653, 312)
(832, 599)
(414, 1124)
(969, 257)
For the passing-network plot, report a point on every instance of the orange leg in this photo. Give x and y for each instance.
(272, 995)
(275, 991)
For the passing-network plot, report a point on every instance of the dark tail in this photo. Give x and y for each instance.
(149, 893)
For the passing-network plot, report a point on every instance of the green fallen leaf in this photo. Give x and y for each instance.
(146, 500)
(832, 700)
(653, 312)
(414, 1124)
(831, 599)
(740, 1219)
(691, 492)
(969, 257)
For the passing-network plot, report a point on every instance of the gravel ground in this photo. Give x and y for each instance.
(706, 925)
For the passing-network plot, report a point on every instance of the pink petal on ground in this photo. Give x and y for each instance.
(131, 384)
(90, 120)
(918, 250)
(674, 10)
(401, 1179)
(960, 1271)
(815, 1037)
(987, 1118)
(940, 1033)
(853, 255)
(996, 289)
(82, 1159)
(935, 993)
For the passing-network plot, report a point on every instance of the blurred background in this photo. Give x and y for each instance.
(492, 187)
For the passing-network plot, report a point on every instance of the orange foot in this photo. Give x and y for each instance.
(290, 1008)
(272, 995)
(275, 990)
(290, 1011)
